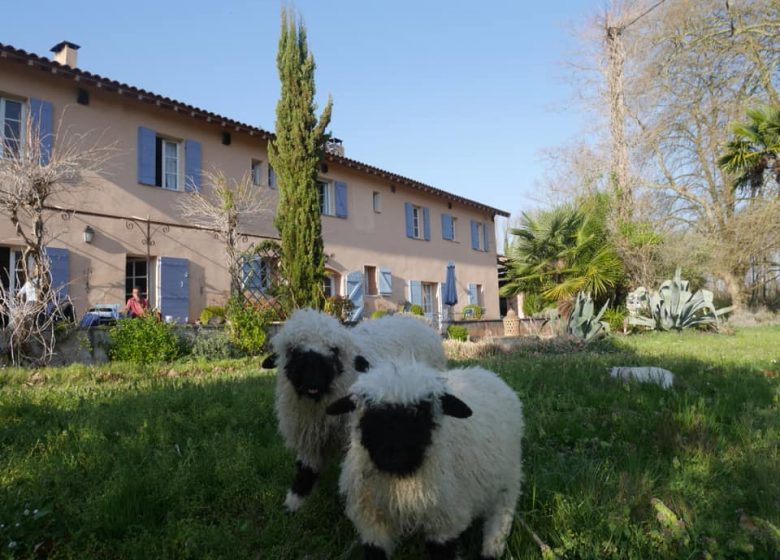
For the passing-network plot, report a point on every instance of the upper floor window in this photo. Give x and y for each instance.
(11, 129)
(480, 236)
(417, 222)
(256, 170)
(167, 155)
(271, 177)
(327, 194)
(377, 202)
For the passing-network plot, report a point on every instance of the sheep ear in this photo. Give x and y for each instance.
(453, 406)
(341, 406)
(270, 362)
(361, 364)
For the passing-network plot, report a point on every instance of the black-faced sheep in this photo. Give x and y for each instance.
(318, 360)
(432, 453)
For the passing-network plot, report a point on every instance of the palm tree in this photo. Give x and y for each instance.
(754, 150)
(557, 253)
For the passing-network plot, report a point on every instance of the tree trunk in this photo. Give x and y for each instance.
(735, 286)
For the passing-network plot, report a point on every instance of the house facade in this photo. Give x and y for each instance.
(388, 238)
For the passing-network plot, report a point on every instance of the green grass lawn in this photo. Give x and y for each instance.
(185, 462)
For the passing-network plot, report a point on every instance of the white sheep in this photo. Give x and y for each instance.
(659, 376)
(431, 453)
(318, 359)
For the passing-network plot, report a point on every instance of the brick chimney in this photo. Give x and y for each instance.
(66, 53)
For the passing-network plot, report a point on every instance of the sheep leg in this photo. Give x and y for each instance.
(498, 525)
(305, 477)
(441, 550)
(373, 552)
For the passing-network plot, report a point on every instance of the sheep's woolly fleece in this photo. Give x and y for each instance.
(472, 469)
(659, 376)
(390, 383)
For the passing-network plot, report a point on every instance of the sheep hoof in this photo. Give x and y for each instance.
(293, 502)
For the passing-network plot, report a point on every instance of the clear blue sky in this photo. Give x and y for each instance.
(462, 95)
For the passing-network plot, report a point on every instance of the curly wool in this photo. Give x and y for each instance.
(472, 469)
(303, 424)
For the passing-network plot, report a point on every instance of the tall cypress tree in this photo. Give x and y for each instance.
(295, 154)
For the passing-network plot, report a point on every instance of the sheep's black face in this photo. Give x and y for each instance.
(397, 436)
(312, 373)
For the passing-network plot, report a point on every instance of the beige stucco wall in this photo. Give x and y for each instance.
(364, 238)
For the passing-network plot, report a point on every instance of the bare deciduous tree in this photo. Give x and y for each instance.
(222, 205)
(35, 170)
(690, 68)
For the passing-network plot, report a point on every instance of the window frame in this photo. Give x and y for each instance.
(256, 171)
(428, 290)
(417, 222)
(22, 120)
(263, 273)
(162, 141)
(135, 277)
(329, 199)
(454, 229)
(376, 202)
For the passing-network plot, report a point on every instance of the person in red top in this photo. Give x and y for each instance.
(136, 306)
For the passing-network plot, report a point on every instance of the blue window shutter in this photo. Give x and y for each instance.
(409, 219)
(426, 224)
(486, 237)
(355, 294)
(447, 230)
(415, 292)
(173, 288)
(146, 155)
(473, 295)
(341, 199)
(59, 260)
(42, 122)
(474, 235)
(192, 166)
(385, 282)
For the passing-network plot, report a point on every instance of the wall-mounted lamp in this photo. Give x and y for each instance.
(89, 234)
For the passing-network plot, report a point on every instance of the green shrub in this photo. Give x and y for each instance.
(338, 306)
(144, 340)
(615, 317)
(416, 309)
(476, 311)
(458, 332)
(379, 313)
(211, 312)
(215, 346)
(246, 326)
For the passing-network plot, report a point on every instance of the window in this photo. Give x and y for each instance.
(371, 284)
(11, 269)
(417, 222)
(327, 198)
(271, 177)
(136, 276)
(428, 297)
(330, 284)
(167, 164)
(479, 236)
(377, 202)
(255, 274)
(11, 129)
(257, 172)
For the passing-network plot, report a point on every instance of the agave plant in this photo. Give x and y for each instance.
(583, 323)
(673, 306)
